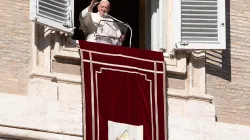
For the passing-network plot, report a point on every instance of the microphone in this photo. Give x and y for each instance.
(107, 15)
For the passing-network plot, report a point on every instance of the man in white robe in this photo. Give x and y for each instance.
(99, 28)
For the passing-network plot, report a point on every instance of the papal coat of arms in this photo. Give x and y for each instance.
(124, 136)
(123, 131)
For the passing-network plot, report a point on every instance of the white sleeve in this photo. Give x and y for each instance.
(85, 20)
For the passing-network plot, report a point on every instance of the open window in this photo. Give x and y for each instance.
(143, 16)
(199, 24)
(196, 24)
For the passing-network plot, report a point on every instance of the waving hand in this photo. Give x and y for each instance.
(92, 5)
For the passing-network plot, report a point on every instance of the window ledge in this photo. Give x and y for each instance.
(177, 93)
(56, 77)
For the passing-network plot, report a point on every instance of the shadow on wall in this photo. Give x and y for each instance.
(43, 37)
(15, 137)
(218, 63)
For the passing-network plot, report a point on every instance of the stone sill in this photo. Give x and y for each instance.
(56, 77)
(23, 133)
(177, 93)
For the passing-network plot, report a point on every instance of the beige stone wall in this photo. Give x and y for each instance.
(66, 65)
(193, 129)
(228, 72)
(51, 111)
(15, 46)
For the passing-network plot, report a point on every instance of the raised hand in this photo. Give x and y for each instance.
(122, 38)
(92, 5)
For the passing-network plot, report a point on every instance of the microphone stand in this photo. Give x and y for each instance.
(131, 32)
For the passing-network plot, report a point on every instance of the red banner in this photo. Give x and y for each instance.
(122, 85)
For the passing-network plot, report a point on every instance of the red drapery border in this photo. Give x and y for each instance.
(102, 66)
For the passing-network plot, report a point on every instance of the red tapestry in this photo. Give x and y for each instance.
(124, 85)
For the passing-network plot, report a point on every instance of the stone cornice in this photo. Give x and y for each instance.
(177, 93)
(56, 77)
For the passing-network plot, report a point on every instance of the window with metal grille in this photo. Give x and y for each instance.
(199, 24)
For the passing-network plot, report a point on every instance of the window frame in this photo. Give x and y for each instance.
(220, 45)
(158, 25)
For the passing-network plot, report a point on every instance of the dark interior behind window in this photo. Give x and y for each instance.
(126, 11)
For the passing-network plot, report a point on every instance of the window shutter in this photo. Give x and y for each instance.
(199, 24)
(158, 24)
(58, 14)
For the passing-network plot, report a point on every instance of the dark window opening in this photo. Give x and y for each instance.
(120, 9)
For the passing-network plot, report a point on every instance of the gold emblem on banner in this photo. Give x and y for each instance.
(124, 136)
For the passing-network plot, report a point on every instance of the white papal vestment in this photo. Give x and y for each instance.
(99, 29)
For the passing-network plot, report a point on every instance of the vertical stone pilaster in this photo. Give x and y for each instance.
(199, 104)
(196, 82)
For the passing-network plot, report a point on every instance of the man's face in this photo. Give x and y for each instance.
(103, 8)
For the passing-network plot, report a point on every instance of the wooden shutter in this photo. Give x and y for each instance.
(58, 14)
(199, 24)
(158, 24)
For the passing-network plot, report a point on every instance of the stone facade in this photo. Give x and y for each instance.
(228, 72)
(194, 129)
(41, 65)
(15, 46)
